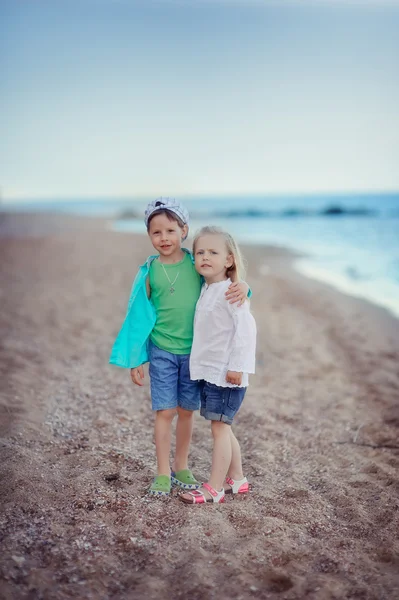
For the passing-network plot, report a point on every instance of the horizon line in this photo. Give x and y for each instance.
(191, 196)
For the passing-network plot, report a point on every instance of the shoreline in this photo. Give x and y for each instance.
(319, 433)
(50, 223)
(304, 265)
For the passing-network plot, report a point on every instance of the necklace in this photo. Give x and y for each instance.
(171, 283)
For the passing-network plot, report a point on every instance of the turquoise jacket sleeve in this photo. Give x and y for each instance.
(130, 349)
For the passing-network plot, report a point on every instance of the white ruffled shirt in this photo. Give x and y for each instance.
(224, 337)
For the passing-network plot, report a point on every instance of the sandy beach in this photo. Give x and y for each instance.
(319, 431)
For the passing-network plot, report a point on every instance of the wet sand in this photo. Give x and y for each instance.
(318, 429)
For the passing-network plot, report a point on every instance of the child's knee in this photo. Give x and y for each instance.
(166, 415)
(183, 413)
(220, 428)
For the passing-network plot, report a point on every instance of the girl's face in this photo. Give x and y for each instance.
(166, 236)
(212, 258)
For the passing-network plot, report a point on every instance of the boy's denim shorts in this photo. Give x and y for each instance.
(220, 403)
(170, 381)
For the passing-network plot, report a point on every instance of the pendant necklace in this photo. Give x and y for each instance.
(171, 283)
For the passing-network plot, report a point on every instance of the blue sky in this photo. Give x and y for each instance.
(162, 97)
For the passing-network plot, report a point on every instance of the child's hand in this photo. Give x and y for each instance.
(234, 377)
(237, 292)
(137, 375)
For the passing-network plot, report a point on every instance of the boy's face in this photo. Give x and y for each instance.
(166, 236)
(211, 258)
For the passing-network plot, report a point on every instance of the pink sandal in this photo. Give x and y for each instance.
(238, 486)
(199, 497)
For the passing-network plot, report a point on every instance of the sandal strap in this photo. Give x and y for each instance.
(210, 489)
(238, 486)
(216, 496)
(196, 493)
(198, 497)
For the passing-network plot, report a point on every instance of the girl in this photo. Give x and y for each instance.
(222, 355)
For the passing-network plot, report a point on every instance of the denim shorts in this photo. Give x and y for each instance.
(220, 403)
(170, 381)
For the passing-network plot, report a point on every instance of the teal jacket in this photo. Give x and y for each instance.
(131, 345)
(130, 349)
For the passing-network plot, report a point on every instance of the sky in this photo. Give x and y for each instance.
(124, 98)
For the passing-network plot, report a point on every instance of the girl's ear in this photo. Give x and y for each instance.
(231, 272)
(229, 261)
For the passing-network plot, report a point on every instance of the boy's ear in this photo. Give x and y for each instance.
(184, 232)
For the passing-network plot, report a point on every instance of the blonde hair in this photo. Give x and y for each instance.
(237, 270)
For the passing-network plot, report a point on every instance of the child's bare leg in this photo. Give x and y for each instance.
(163, 425)
(222, 453)
(184, 430)
(235, 468)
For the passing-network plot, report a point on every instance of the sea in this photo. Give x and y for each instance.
(349, 241)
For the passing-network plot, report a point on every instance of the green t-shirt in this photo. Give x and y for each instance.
(174, 327)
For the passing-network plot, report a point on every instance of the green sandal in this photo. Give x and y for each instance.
(161, 486)
(184, 479)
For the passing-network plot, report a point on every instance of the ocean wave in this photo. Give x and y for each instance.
(328, 211)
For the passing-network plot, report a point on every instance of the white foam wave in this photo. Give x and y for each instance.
(379, 291)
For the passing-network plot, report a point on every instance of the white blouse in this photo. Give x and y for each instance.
(224, 337)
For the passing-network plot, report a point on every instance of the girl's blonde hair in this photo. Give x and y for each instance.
(237, 270)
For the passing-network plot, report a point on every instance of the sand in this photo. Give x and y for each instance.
(318, 429)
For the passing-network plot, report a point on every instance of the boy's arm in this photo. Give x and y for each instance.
(238, 291)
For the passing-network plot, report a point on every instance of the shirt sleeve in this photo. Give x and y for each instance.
(242, 355)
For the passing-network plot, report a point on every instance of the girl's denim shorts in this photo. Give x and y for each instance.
(170, 381)
(220, 403)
